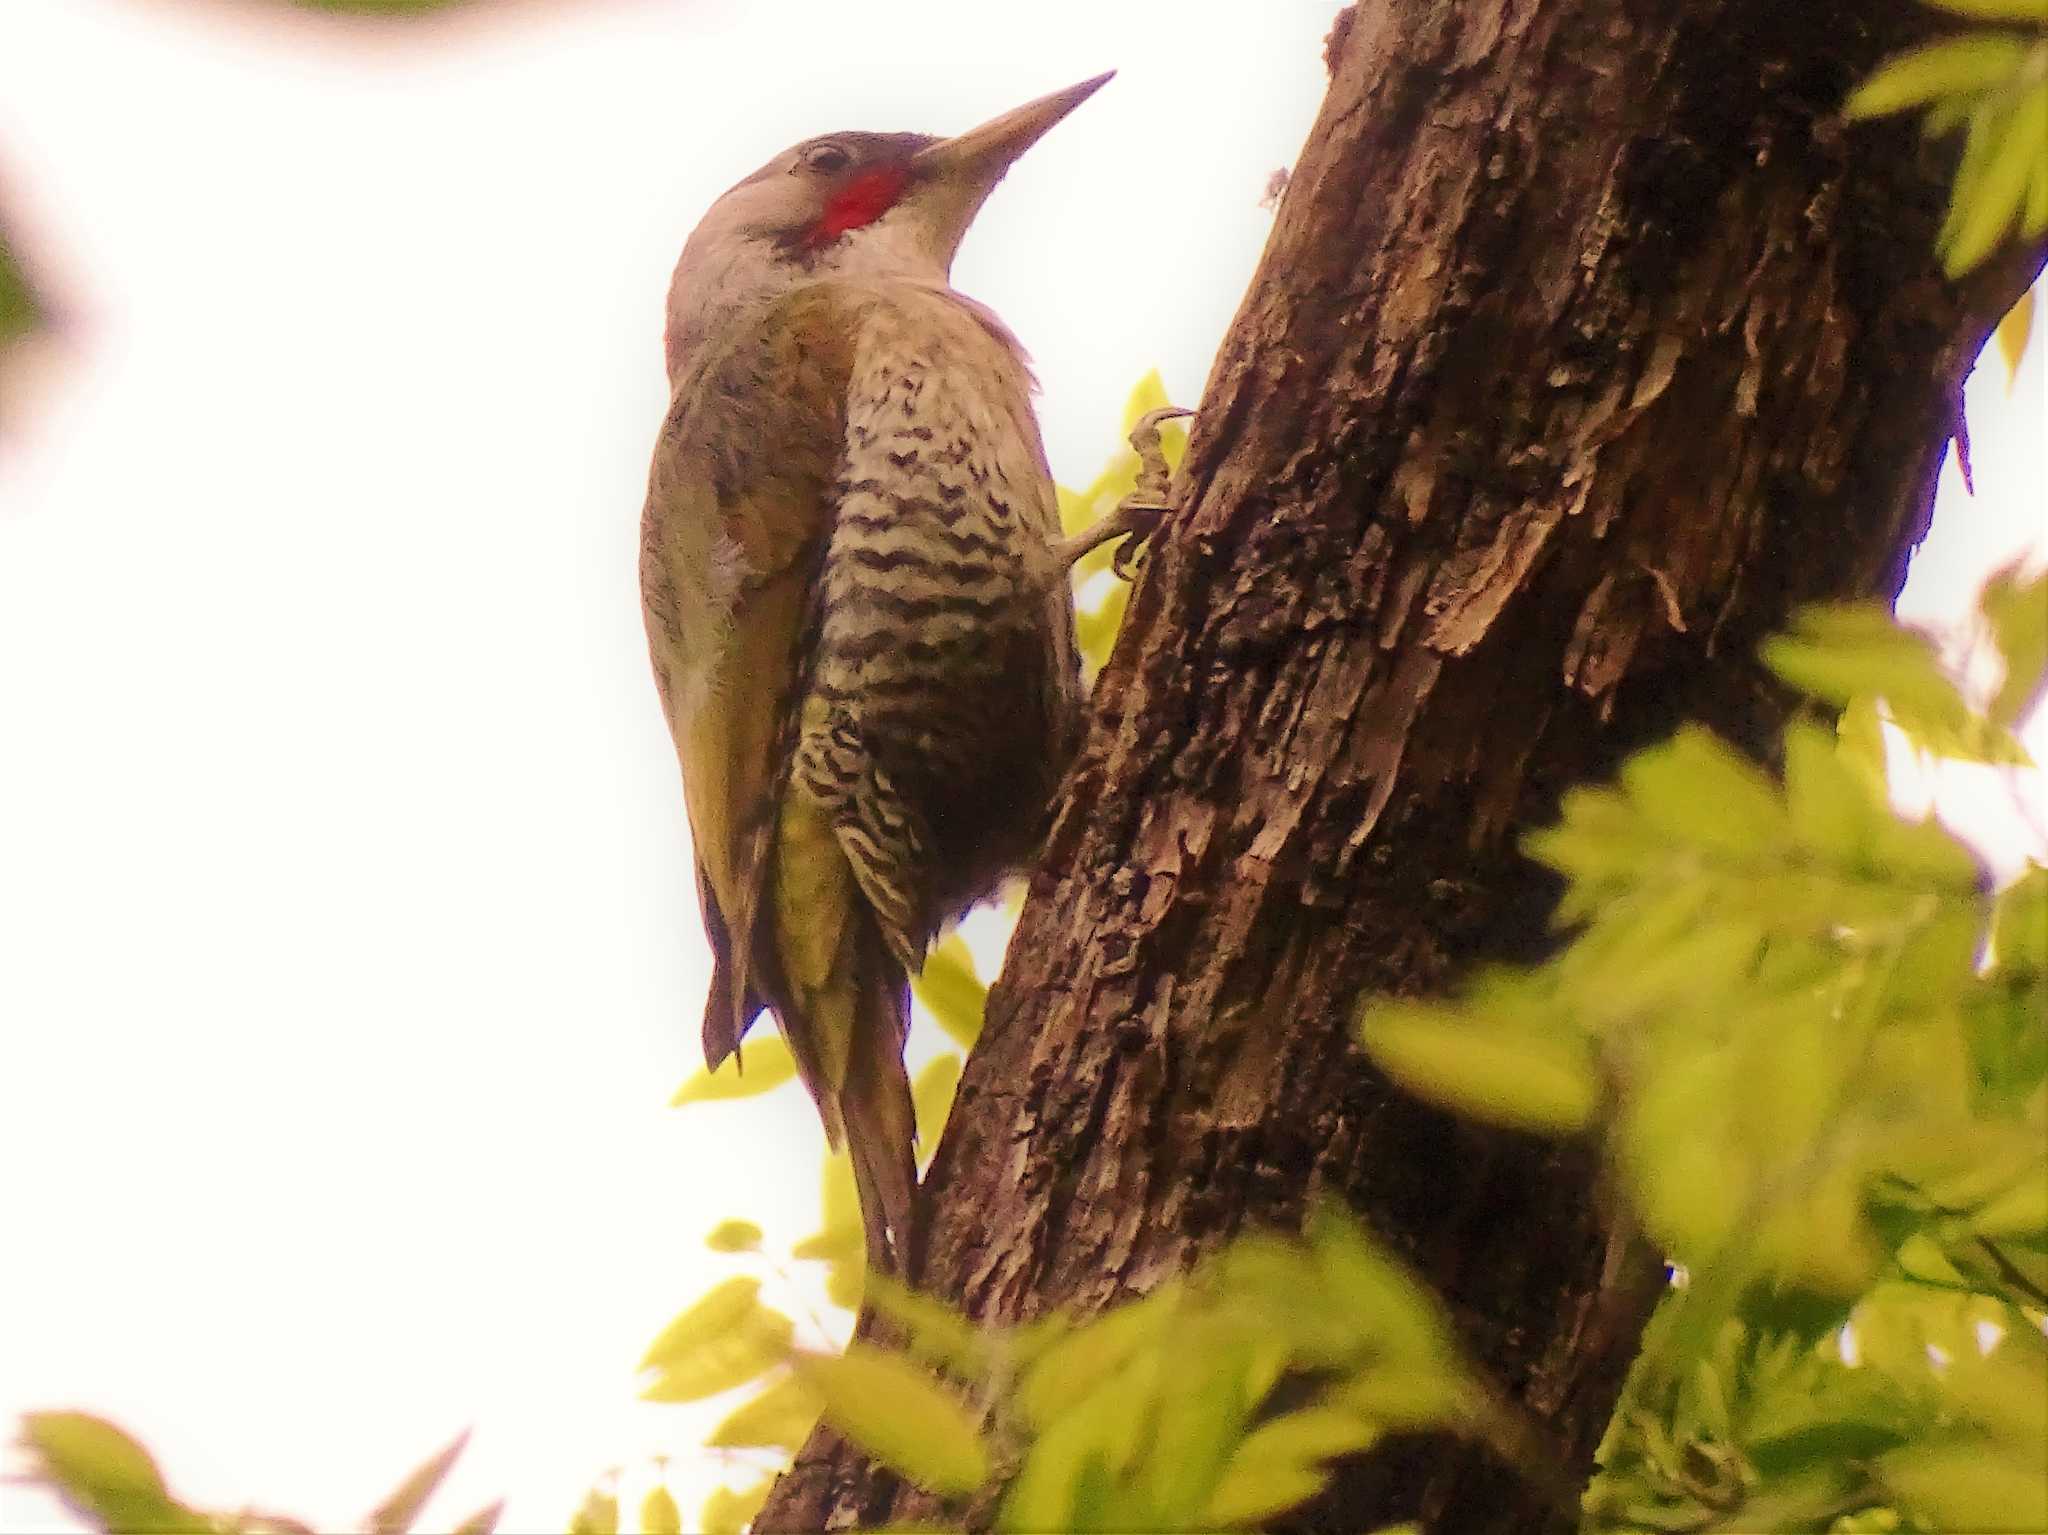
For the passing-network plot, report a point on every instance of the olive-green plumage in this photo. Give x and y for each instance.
(859, 622)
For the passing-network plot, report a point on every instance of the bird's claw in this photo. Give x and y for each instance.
(1139, 513)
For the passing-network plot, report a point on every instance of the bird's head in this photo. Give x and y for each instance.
(895, 204)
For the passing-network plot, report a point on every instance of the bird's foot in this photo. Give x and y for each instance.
(1140, 512)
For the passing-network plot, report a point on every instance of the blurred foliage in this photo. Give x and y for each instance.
(112, 1483)
(2014, 332)
(1991, 84)
(1211, 1403)
(398, 8)
(1813, 1046)
(21, 311)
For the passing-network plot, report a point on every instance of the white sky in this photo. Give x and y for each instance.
(347, 946)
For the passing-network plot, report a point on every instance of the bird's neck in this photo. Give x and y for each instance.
(714, 287)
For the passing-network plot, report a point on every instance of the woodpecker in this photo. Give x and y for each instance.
(856, 603)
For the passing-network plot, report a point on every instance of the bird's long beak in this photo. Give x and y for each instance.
(983, 154)
(960, 172)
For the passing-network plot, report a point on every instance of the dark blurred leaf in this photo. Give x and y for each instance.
(780, 1418)
(21, 311)
(734, 1236)
(2000, 193)
(895, 1411)
(395, 1515)
(659, 1514)
(380, 7)
(951, 991)
(1955, 66)
(726, 1512)
(756, 1067)
(109, 1479)
(1996, 10)
(933, 1331)
(599, 1514)
(726, 1339)
(2014, 331)
(931, 1095)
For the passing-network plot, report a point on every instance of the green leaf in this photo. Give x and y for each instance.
(395, 1515)
(1995, 10)
(895, 1411)
(846, 1282)
(1147, 395)
(767, 1065)
(378, 7)
(2017, 328)
(21, 311)
(951, 991)
(1279, 1464)
(728, 1512)
(1060, 1484)
(833, 1246)
(598, 1514)
(726, 1339)
(1276, 1282)
(1955, 66)
(659, 1514)
(780, 1418)
(931, 1096)
(1832, 806)
(734, 1236)
(1096, 629)
(1203, 1399)
(2001, 189)
(838, 1198)
(1079, 1360)
(1844, 652)
(840, 1242)
(105, 1476)
(2019, 925)
(1525, 1078)
(2005, 1392)
(1699, 790)
(1966, 1484)
(932, 1330)
(1402, 1315)
(1859, 737)
(1406, 1397)
(2016, 607)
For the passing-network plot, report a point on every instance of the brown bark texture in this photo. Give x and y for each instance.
(1588, 343)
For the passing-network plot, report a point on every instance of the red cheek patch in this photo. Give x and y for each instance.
(857, 204)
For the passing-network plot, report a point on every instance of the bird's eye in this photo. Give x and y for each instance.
(826, 159)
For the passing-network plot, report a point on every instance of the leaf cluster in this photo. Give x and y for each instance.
(1211, 1403)
(112, 1483)
(1991, 84)
(1813, 1046)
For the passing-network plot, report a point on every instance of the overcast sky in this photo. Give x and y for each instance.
(349, 947)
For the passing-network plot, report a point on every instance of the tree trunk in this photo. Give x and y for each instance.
(1587, 344)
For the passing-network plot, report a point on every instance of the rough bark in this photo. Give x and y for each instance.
(1587, 344)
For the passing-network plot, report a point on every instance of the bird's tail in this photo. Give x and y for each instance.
(876, 1111)
(844, 1006)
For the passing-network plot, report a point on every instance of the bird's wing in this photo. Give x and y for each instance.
(736, 516)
